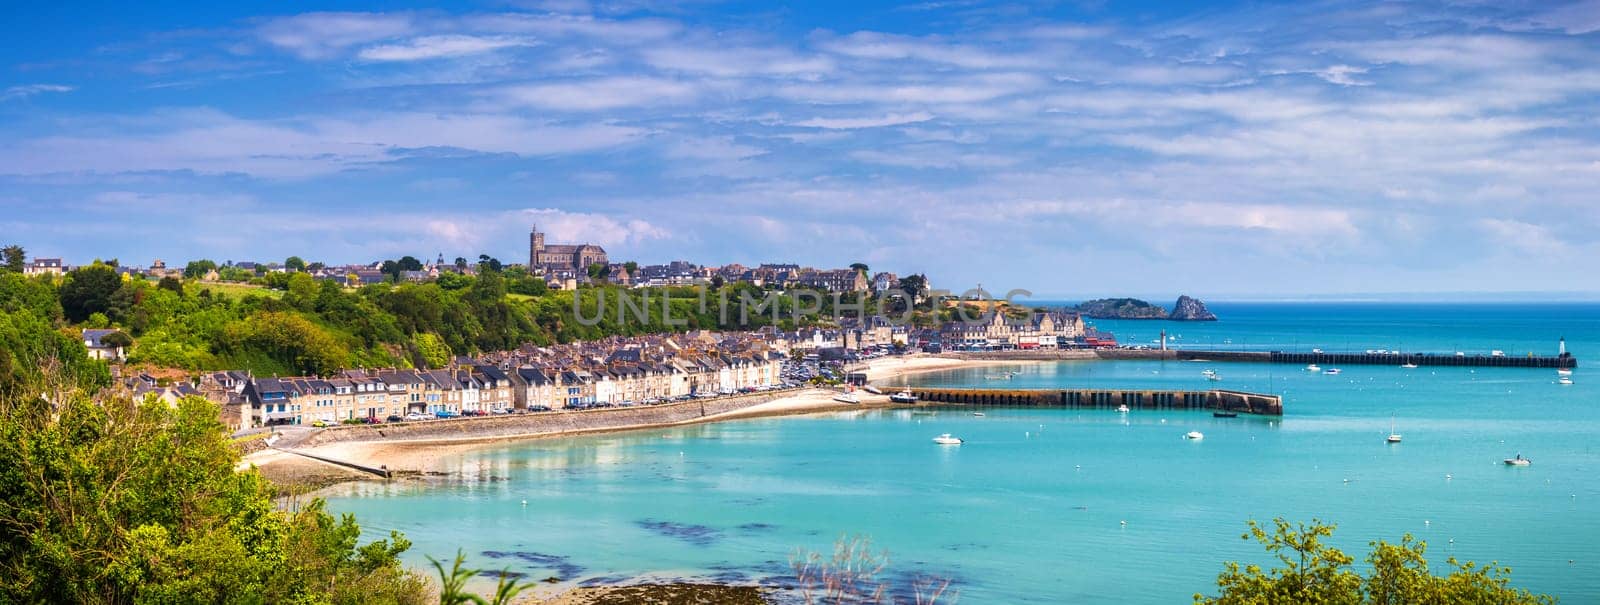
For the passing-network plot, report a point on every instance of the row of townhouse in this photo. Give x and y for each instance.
(643, 381)
(354, 394)
(1048, 330)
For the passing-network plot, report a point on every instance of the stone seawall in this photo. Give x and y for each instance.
(536, 423)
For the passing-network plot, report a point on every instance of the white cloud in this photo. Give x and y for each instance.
(442, 46)
(24, 91)
(579, 227)
(730, 62)
(324, 35)
(601, 93)
(892, 119)
(885, 47)
(211, 143)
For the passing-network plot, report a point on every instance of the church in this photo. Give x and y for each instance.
(562, 259)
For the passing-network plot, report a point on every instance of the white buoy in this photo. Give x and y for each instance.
(524, 502)
(1426, 522)
(1448, 476)
(1124, 523)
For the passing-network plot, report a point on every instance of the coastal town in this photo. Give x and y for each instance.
(616, 371)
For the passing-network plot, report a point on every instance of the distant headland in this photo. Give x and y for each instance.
(1185, 309)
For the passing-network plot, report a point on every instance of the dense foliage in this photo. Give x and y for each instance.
(115, 501)
(1313, 572)
(288, 323)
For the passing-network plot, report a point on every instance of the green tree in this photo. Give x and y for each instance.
(171, 284)
(409, 263)
(461, 263)
(197, 269)
(632, 267)
(859, 267)
(488, 263)
(117, 501)
(294, 264)
(1313, 572)
(599, 271)
(87, 290)
(431, 350)
(16, 259)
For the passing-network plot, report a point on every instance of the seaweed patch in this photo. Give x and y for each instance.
(698, 535)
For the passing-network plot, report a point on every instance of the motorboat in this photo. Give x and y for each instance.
(1196, 435)
(1123, 408)
(1564, 380)
(1332, 371)
(946, 439)
(1393, 436)
(1409, 366)
(1564, 372)
(1224, 414)
(847, 398)
(978, 414)
(904, 396)
(1518, 461)
(1208, 372)
(1313, 368)
(1214, 377)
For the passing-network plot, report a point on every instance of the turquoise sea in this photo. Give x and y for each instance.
(1031, 508)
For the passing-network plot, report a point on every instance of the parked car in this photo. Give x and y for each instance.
(321, 423)
(394, 418)
(500, 411)
(416, 416)
(447, 414)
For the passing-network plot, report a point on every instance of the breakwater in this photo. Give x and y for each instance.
(1565, 360)
(1216, 399)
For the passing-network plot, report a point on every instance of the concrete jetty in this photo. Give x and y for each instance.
(1216, 399)
(1564, 360)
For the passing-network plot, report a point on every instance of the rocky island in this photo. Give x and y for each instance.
(1185, 309)
(1190, 309)
(1120, 308)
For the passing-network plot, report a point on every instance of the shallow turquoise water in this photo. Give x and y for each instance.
(1030, 509)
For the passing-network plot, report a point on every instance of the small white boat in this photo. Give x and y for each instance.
(1332, 371)
(978, 414)
(904, 396)
(946, 439)
(1564, 380)
(1317, 351)
(1194, 435)
(1409, 366)
(1518, 461)
(1208, 371)
(872, 389)
(1123, 408)
(1214, 378)
(1564, 372)
(847, 398)
(1393, 436)
(1313, 368)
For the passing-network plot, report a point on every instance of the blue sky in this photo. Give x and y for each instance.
(1070, 148)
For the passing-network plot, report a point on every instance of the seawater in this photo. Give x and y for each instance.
(1032, 508)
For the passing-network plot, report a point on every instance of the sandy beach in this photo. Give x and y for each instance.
(423, 455)
(889, 368)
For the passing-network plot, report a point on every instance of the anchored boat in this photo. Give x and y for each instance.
(946, 439)
(904, 396)
(1518, 461)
